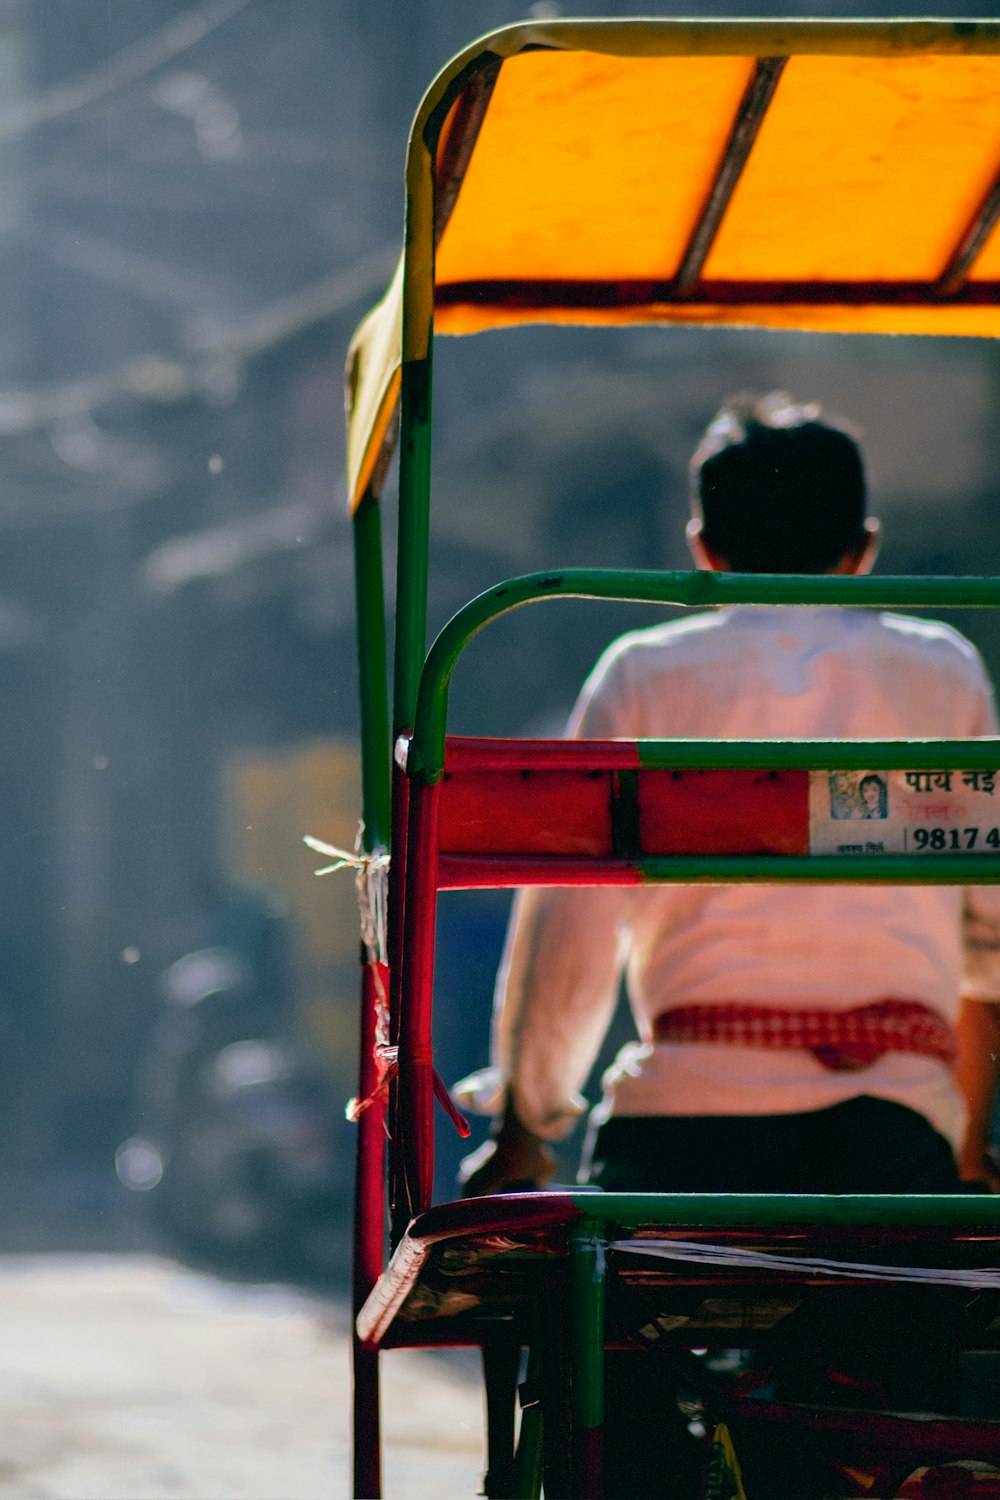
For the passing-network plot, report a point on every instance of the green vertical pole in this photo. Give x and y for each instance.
(528, 1458)
(415, 425)
(528, 1455)
(412, 546)
(587, 1283)
(376, 748)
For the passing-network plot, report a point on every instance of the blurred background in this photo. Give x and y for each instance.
(200, 199)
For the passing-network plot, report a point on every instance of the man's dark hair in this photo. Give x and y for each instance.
(778, 489)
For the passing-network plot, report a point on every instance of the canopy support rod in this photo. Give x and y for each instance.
(455, 155)
(749, 118)
(963, 257)
(549, 293)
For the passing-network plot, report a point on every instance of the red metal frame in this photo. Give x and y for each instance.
(416, 1062)
(397, 908)
(369, 1227)
(582, 813)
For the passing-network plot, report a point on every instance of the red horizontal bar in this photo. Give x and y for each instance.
(538, 812)
(727, 811)
(463, 872)
(555, 811)
(466, 754)
(506, 1213)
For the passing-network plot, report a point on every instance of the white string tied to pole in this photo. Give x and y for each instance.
(371, 881)
(371, 878)
(766, 1260)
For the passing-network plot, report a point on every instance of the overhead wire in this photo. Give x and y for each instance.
(159, 377)
(126, 67)
(156, 375)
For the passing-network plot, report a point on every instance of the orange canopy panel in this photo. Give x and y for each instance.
(817, 175)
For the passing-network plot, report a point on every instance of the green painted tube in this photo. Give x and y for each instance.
(529, 1453)
(412, 540)
(818, 755)
(587, 1282)
(824, 869)
(528, 1457)
(376, 745)
(612, 1213)
(691, 589)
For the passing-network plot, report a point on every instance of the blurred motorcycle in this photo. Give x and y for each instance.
(241, 1151)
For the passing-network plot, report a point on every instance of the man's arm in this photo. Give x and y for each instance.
(513, 1159)
(976, 1069)
(556, 993)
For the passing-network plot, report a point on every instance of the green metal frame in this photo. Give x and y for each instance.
(418, 704)
(369, 593)
(690, 589)
(426, 749)
(566, 1343)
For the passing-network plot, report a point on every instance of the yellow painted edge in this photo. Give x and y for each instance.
(946, 321)
(372, 387)
(376, 441)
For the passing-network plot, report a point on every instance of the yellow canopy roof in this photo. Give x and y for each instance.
(840, 176)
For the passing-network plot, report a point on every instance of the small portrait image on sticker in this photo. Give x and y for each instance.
(861, 795)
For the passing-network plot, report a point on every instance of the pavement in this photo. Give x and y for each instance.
(130, 1377)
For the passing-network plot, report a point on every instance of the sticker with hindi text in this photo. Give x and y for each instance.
(904, 812)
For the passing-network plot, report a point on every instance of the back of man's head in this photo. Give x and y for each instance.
(777, 488)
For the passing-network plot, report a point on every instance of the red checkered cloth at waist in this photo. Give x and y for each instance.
(842, 1040)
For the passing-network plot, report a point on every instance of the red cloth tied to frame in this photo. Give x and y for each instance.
(842, 1040)
(385, 1057)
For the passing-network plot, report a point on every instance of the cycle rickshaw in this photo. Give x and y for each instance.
(840, 176)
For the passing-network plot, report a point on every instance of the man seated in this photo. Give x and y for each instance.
(747, 1075)
(707, 1100)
